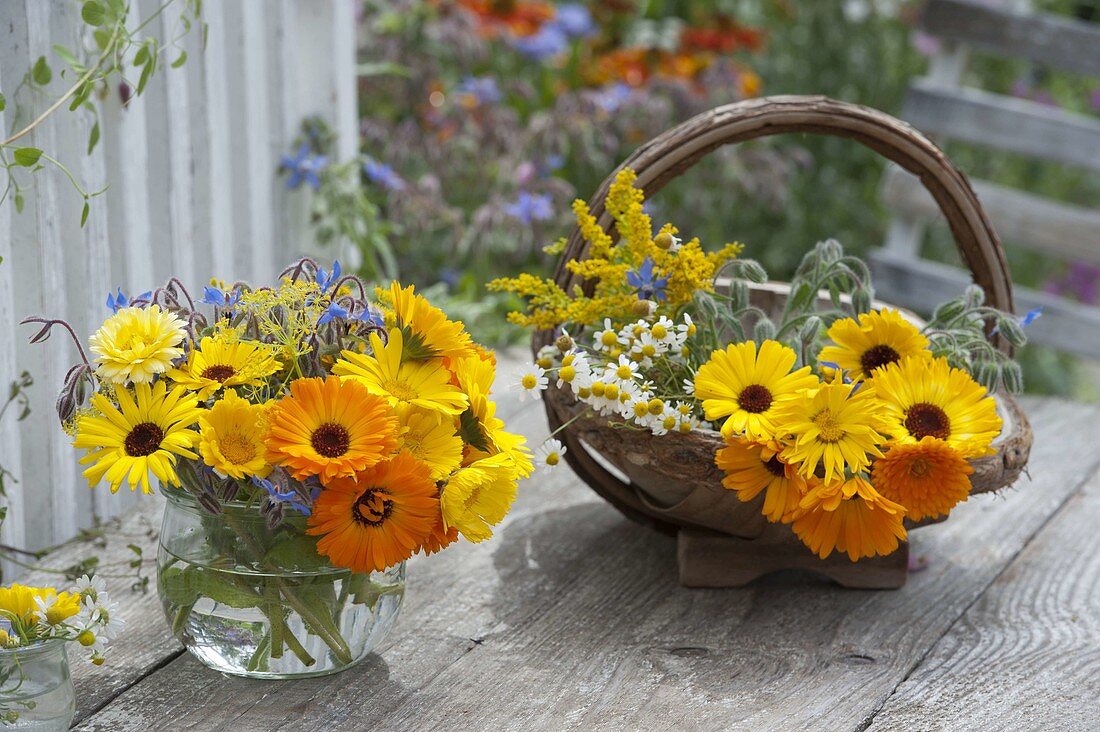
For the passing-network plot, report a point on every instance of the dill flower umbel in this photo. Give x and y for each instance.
(146, 433)
(880, 338)
(135, 344)
(935, 400)
(751, 468)
(220, 362)
(378, 517)
(747, 387)
(388, 373)
(849, 516)
(232, 437)
(836, 425)
(331, 428)
(928, 477)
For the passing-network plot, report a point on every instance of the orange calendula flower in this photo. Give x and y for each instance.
(928, 477)
(330, 428)
(522, 17)
(378, 517)
(849, 516)
(751, 468)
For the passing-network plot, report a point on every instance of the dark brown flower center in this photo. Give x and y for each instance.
(218, 372)
(373, 507)
(927, 420)
(143, 439)
(877, 357)
(754, 398)
(330, 440)
(776, 467)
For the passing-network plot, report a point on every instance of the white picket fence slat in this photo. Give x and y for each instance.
(191, 166)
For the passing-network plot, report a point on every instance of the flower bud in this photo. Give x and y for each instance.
(948, 311)
(643, 308)
(1011, 330)
(1012, 376)
(810, 329)
(564, 343)
(764, 330)
(663, 240)
(86, 638)
(861, 301)
(974, 296)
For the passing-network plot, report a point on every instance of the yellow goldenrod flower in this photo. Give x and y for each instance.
(220, 362)
(232, 437)
(932, 399)
(135, 344)
(879, 339)
(146, 433)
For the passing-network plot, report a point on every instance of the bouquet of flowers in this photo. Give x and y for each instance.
(302, 429)
(848, 418)
(35, 625)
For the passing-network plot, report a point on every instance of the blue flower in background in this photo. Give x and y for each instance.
(325, 280)
(332, 312)
(304, 167)
(214, 296)
(483, 89)
(1031, 317)
(289, 496)
(528, 208)
(609, 98)
(648, 286)
(574, 20)
(383, 175)
(118, 301)
(549, 41)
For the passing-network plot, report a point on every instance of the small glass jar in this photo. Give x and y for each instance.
(36, 691)
(251, 601)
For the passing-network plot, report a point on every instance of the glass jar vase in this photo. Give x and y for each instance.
(36, 691)
(249, 600)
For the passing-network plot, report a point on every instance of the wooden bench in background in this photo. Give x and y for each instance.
(939, 105)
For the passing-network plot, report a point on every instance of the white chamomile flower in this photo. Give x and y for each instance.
(689, 386)
(545, 358)
(608, 338)
(622, 372)
(687, 328)
(575, 371)
(111, 620)
(531, 381)
(45, 603)
(91, 587)
(663, 425)
(664, 331)
(549, 454)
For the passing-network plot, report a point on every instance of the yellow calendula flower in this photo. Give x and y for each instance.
(751, 468)
(24, 604)
(477, 497)
(223, 362)
(932, 399)
(480, 429)
(135, 344)
(836, 425)
(430, 436)
(232, 437)
(849, 516)
(427, 331)
(146, 433)
(420, 383)
(747, 387)
(879, 339)
(928, 477)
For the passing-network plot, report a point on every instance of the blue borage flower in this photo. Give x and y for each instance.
(304, 166)
(1031, 316)
(326, 280)
(481, 89)
(219, 298)
(119, 300)
(383, 175)
(649, 286)
(531, 207)
(333, 311)
(289, 496)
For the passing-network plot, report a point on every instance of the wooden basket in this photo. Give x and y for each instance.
(671, 482)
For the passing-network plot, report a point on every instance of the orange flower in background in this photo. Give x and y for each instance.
(522, 17)
(928, 477)
(378, 517)
(722, 35)
(330, 428)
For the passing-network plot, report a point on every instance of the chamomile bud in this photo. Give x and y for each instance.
(663, 240)
(643, 307)
(564, 343)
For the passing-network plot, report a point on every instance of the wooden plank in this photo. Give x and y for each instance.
(921, 285)
(572, 619)
(1069, 232)
(1025, 655)
(1053, 40)
(996, 121)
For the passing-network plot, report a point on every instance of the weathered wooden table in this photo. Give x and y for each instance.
(572, 618)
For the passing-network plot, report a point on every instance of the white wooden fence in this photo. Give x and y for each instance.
(191, 166)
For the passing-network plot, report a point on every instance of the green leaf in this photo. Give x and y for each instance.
(19, 203)
(27, 156)
(222, 588)
(66, 55)
(84, 214)
(142, 56)
(3, 103)
(146, 72)
(41, 73)
(93, 137)
(298, 553)
(180, 61)
(93, 13)
(102, 38)
(366, 592)
(177, 587)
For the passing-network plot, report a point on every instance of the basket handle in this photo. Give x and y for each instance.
(667, 156)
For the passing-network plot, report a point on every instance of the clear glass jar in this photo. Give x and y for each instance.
(250, 601)
(36, 691)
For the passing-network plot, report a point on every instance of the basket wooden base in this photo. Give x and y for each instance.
(710, 559)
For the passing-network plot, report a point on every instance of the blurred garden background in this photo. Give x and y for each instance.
(481, 120)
